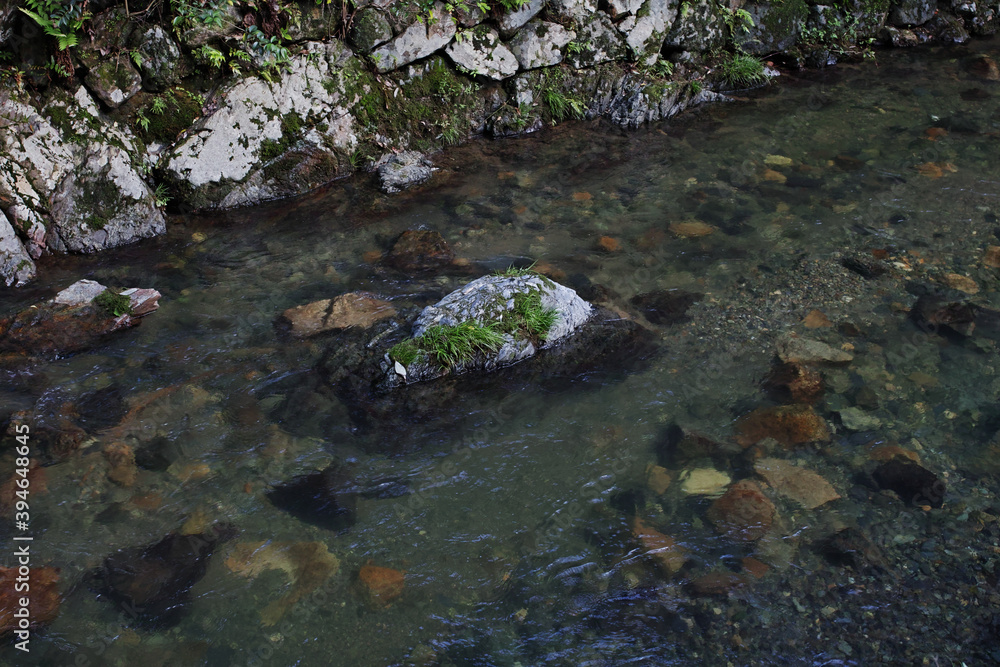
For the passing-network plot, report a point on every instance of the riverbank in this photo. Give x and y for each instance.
(198, 106)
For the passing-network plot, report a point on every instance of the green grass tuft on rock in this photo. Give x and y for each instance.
(740, 69)
(114, 303)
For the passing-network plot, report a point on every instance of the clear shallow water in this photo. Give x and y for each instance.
(515, 541)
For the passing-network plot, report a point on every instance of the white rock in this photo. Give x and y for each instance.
(512, 21)
(482, 52)
(420, 40)
(16, 267)
(539, 44)
(79, 293)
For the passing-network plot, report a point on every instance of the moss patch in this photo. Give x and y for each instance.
(179, 111)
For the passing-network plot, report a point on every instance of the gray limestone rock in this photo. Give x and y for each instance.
(646, 28)
(903, 13)
(159, 56)
(88, 191)
(540, 43)
(567, 11)
(481, 51)
(698, 28)
(487, 300)
(511, 22)
(221, 161)
(113, 81)
(776, 26)
(424, 37)
(104, 204)
(16, 267)
(599, 42)
(369, 29)
(399, 171)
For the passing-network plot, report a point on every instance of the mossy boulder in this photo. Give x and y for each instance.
(113, 81)
(369, 29)
(159, 58)
(776, 26)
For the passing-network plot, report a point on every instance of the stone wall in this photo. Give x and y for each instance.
(145, 108)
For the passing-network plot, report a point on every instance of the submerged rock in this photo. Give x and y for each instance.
(913, 483)
(354, 309)
(661, 548)
(796, 483)
(792, 349)
(743, 513)
(307, 564)
(155, 581)
(329, 498)
(790, 425)
(42, 596)
(381, 586)
(75, 319)
(400, 171)
(791, 382)
(419, 250)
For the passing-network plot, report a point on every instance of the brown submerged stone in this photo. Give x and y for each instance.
(70, 322)
(418, 250)
(792, 382)
(354, 309)
(381, 585)
(790, 425)
(661, 548)
(43, 597)
(743, 513)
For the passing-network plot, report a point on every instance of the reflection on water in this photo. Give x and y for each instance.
(570, 523)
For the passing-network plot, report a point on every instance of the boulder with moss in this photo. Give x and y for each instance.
(501, 333)
(492, 322)
(70, 183)
(76, 319)
(268, 140)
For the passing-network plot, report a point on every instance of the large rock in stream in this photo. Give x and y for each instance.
(76, 319)
(497, 335)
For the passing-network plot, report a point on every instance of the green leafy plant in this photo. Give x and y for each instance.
(742, 70)
(516, 271)
(114, 303)
(561, 105)
(160, 195)
(696, 87)
(190, 14)
(61, 19)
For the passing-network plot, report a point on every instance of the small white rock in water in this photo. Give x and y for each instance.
(856, 419)
(704, 482)
(400, 369)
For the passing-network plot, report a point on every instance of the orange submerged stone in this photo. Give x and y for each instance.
(382, 585)
(43, 597)
(788, 424)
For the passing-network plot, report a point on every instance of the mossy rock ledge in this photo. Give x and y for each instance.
(492, 303)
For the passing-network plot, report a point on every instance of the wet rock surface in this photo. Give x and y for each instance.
(419, 250)
(156, 580)
(73, 320)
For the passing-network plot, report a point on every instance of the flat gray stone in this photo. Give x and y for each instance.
(540, 43)
(480, 51)
(511, 22)
(79, 293)
(808, 351)
(418, 41)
